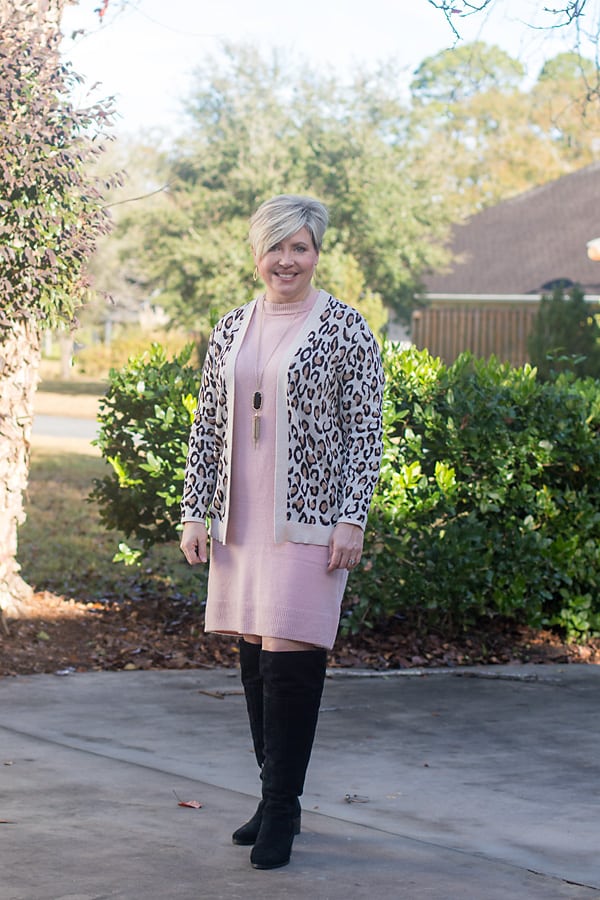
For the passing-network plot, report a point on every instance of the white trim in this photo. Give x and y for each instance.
(220, 532)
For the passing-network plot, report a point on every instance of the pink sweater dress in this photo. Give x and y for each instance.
(256, 586)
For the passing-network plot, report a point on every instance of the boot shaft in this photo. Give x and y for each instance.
(252, 683)
(292, 689)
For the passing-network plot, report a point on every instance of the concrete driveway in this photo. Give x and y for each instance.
(464, 784)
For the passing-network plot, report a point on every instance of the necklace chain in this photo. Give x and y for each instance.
(257, 397)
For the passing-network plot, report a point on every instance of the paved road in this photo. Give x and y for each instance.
(65, 427)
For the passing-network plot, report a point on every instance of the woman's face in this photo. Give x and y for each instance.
(288, 267)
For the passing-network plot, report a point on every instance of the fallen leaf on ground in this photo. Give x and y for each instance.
(191, 804)
(98, 636)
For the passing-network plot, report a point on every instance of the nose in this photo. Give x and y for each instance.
(285, 258)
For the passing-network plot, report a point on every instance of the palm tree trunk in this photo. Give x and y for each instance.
(20, 351)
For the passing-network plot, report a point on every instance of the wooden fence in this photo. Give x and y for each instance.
(485, 331)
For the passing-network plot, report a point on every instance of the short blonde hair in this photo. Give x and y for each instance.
(282, 216)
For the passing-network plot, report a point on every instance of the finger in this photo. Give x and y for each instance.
(342, 559)
(201, 551)
(334, 560)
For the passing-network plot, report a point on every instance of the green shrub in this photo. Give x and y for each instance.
(488, 502)
(145, 419)
(565, 336)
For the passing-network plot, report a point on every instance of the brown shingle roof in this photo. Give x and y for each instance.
(524, 244)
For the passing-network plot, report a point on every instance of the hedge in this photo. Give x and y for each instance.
(487, 504)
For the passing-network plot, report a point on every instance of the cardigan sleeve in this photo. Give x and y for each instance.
(201, 465)
(361, 416)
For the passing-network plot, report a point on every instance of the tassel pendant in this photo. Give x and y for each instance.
(256, 406)
(255, 428)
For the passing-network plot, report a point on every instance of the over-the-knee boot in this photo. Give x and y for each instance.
(252, 682)
(292, 688)
(253, 689)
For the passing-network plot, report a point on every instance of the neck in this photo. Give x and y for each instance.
(290, 300)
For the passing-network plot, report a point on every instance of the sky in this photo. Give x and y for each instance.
(144, 52)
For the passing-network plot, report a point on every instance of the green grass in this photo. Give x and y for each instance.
(63, 548)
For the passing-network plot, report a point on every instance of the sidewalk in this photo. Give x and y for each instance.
(466, 784)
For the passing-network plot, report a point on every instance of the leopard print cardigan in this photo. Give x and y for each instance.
(328, 433)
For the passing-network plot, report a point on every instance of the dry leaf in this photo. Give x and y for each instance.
(191, 804)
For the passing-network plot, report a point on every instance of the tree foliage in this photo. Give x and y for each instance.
(260, 126)
(50, 218)
(51, 210)
(493, 136)
(393, 170)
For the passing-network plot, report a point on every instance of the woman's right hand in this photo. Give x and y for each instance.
(193, 542)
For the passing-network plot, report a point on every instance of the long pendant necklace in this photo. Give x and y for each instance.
(257, 396)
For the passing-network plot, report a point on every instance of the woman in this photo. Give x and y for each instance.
(283, 459)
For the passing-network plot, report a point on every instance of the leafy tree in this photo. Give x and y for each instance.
(454, 76)
(469, 116)
(562, 108)
(260, 127)
(51, 216)
(565, 336)
(489, 135)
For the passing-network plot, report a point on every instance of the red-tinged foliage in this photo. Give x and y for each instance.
(101, 10)
(50, 206)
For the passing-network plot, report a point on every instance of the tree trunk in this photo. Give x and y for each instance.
(20, 352)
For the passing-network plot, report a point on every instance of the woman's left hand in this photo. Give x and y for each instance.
(345, 546)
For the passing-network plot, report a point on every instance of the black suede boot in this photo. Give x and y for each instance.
(253, 690)
(252, 682)
(292, 688)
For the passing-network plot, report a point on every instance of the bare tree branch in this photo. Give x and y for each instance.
(571, 12)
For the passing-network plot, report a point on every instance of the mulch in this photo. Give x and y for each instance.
(62, 636)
